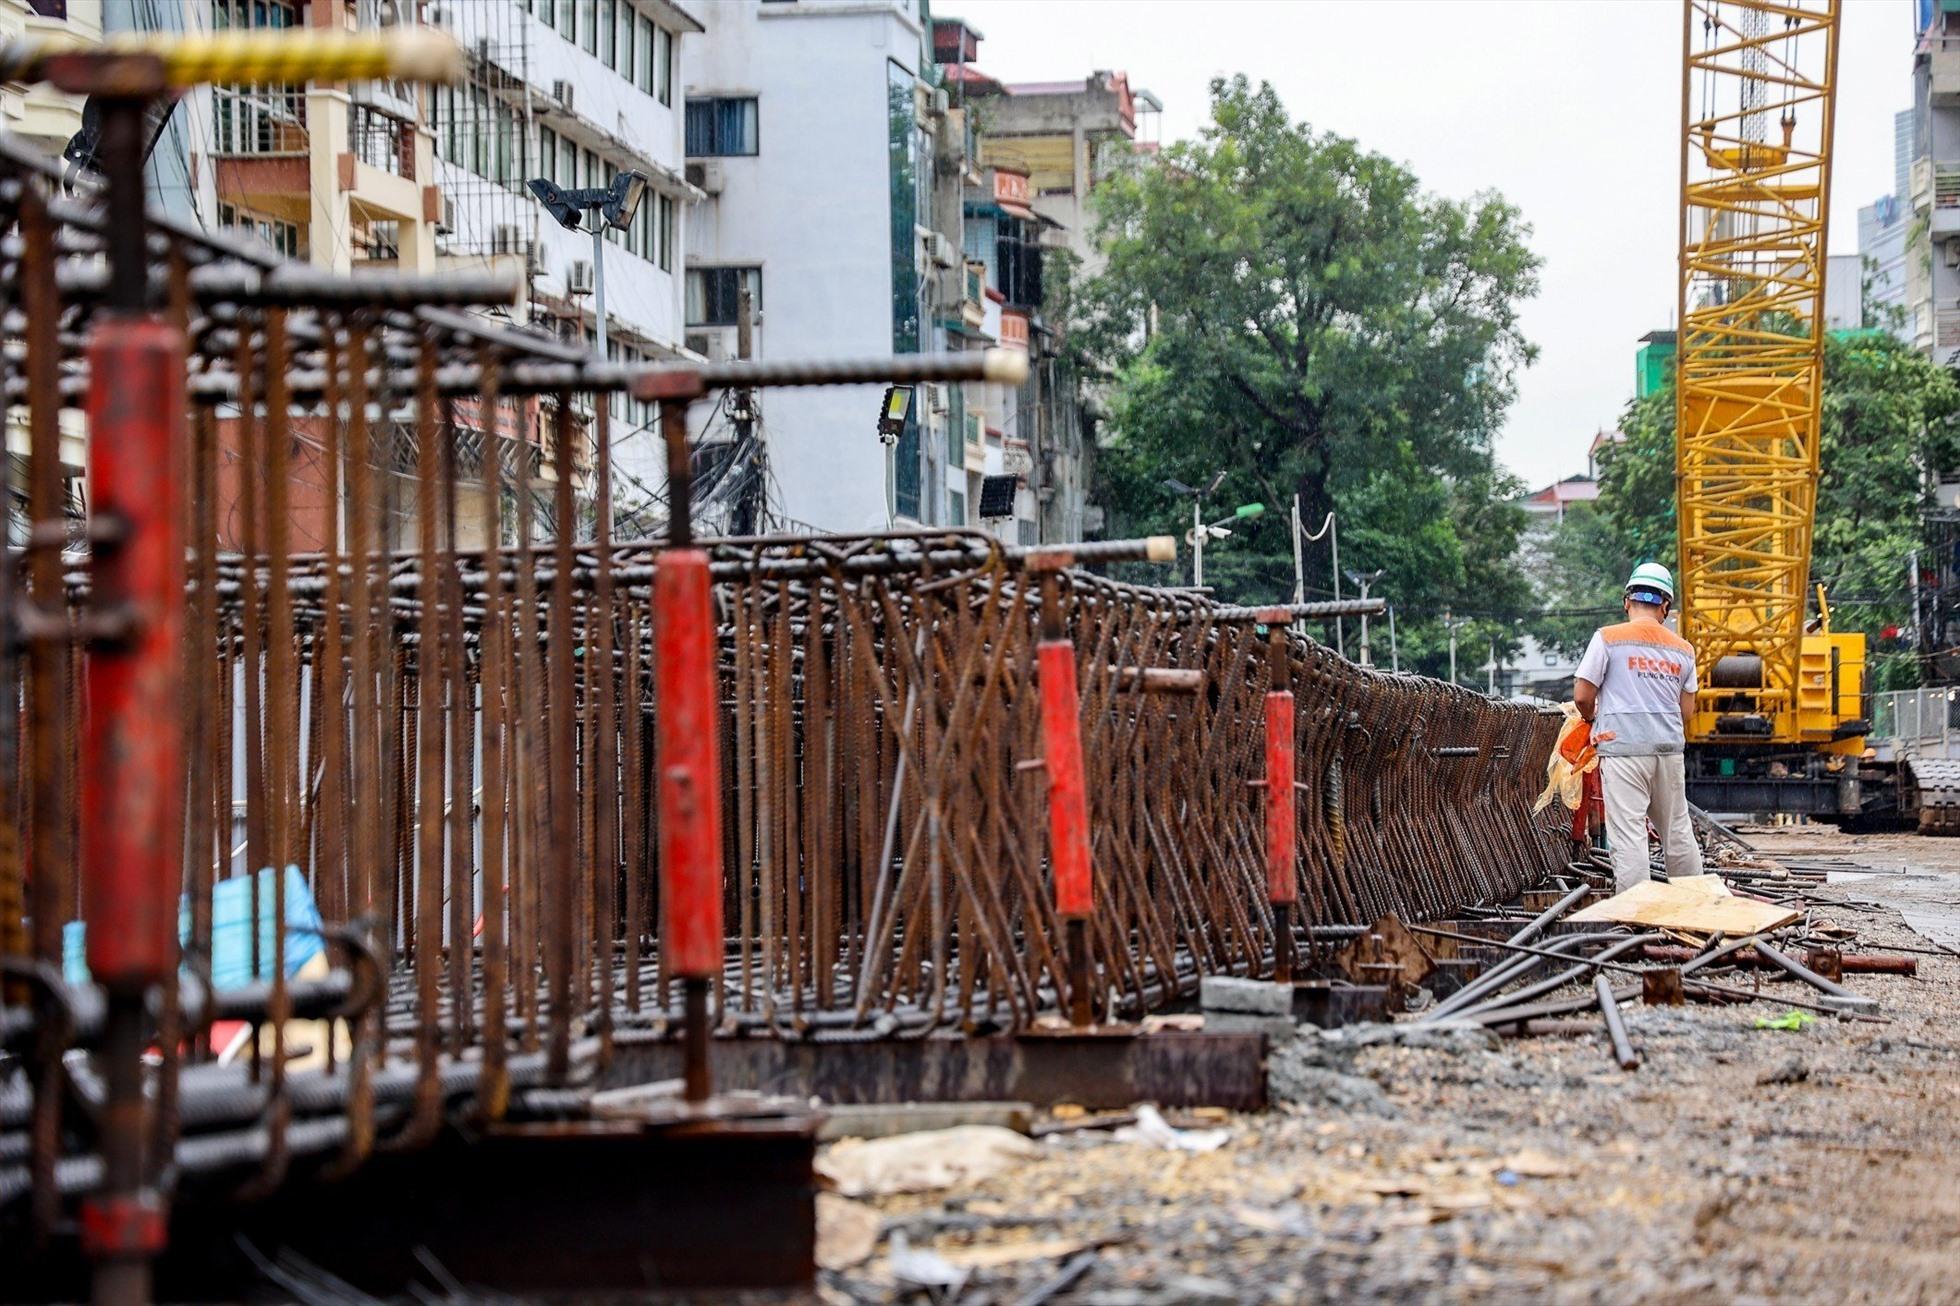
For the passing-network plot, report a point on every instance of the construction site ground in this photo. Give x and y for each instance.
(1738, 1163)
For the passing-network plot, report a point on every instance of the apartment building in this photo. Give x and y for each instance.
(403, 176)
(1933, 269)
(49, 119)
(574, 92)
(833, 168)
(1047, 146)
(37, 111)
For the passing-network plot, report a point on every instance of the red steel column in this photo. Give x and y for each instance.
(1068, 796)
(132, 760)
(1282, 827)
(690, 789)
(1282, 888)
(1068, 799)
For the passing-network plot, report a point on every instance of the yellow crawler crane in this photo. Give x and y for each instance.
(1780, 710)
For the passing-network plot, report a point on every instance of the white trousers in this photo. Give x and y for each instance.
(1639, 789)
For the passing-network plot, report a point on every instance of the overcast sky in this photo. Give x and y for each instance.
(1570, 108)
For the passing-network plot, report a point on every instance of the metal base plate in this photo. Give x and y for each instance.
(1104, 1067)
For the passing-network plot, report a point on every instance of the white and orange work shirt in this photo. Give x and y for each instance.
(1642, 668)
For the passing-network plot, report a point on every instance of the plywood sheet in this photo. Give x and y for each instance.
(1697, 904)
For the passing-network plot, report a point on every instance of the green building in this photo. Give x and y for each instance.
(1652, 362)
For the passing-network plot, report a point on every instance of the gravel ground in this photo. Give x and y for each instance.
(1738, 1164)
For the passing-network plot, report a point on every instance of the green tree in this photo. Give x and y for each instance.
(1585, 563)
(1887, 430)
(1285, 306)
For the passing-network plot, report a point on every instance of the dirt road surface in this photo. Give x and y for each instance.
(1737, 1164)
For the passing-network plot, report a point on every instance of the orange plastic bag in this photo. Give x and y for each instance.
(1571, 758)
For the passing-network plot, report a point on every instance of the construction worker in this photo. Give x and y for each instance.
(1636, 687)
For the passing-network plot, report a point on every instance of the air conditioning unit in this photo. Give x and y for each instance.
(1953, 253)
(708, 175)
(941, 251)
(446, 223)
(711, 345)
(578, 277)
(939, 398)
(561, 91)
(508, 238)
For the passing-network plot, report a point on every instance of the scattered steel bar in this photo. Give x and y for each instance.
(1616, 1026)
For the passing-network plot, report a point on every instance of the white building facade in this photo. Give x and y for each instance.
(823, 145)
(574, 92)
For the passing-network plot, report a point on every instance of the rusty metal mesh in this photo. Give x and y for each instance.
(453, 744)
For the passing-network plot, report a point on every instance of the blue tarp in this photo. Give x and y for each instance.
(231, 931)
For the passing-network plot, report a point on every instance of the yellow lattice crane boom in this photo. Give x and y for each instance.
(1757, 102)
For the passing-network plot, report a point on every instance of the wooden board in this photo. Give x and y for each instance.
(1697, 904)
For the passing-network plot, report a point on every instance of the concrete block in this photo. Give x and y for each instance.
(1254, 997)
(1277, 1029)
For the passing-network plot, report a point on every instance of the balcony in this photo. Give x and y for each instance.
(1944, 194)
(1945, 69)
(260, 122)
(1946, 336)
(973, 295)
(974, 427)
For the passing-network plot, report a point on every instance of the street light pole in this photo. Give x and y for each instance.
(599, 284)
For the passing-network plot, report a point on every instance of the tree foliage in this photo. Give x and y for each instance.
(1289, 308)
(1887, 430)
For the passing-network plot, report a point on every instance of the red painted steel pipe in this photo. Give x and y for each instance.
(690, 794)
(1281, 814)
(690, 771)
(132, 740)
(1068, 800)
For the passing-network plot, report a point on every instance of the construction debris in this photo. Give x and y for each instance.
(1699, 904)
(917, 1163)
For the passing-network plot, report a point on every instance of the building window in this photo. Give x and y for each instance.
(547, 11)
(714, 295)
(1017, 262)
(642, 72)
(667, 211)
(548, 153)
(258, 119)
(623, 51)
(721, 127)
(379, 241)
(282, 235)
(608, 13)
(955, 508)
(663, 58)
(588, 26)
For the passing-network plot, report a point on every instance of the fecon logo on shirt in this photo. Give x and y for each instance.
(1642, 668)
